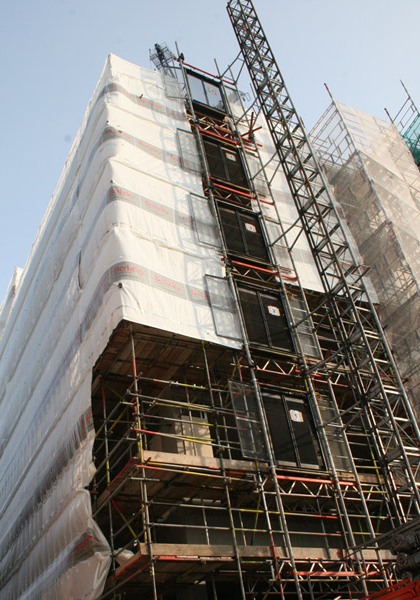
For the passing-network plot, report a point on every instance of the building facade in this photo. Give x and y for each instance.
(197, 398)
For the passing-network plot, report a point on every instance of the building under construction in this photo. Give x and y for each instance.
(377, 183)
(209, 403)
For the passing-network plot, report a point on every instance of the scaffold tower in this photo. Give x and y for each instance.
(377, 185)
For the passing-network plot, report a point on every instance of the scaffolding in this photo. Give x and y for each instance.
(378, 187)
(182, 504)
(282, 465)
(407, 121)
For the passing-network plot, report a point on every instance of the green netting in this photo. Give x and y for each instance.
(412, 138)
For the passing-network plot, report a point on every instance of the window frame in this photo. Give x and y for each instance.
(310, 436)
(250, 319)
(204, 97)
(223, 172)
(238, 223)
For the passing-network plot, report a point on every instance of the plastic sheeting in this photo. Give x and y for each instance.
(378, 186)
(119, 241)
(8, 302)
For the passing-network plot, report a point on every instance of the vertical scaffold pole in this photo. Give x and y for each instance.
(145, 508)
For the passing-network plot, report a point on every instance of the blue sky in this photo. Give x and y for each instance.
(52, 53)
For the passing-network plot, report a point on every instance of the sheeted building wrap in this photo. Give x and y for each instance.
(119, 241)
(377, 184)
(128, 235)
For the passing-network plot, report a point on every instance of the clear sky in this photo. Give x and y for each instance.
(52, 53)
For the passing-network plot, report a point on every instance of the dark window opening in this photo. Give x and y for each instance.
(225, 163)
(292, 431)
(265, 320)
(206, 92)
(243, 233)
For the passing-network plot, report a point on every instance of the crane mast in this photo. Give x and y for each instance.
(379, 403)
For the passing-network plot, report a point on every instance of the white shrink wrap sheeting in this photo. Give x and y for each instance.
(9, 299)
(377, 184)
(127, 235)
